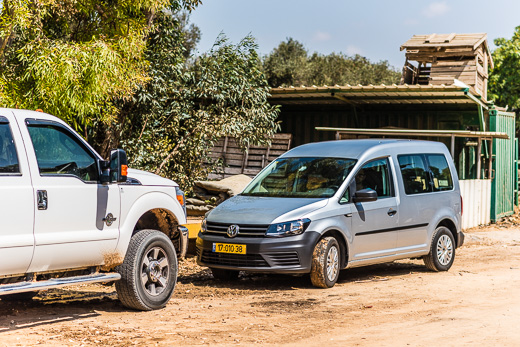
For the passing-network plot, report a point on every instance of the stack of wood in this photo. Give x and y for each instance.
(208, 194)
(442, 58)
(249, 162)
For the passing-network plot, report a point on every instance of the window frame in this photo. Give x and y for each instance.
(352, 182)
(4, 120)
(429, 172)
(32, 122)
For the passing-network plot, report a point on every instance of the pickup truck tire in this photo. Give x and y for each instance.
(442, 251)
(148, 272)
(25, 296)
(325, 263)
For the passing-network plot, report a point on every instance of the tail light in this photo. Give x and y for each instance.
(461, 205)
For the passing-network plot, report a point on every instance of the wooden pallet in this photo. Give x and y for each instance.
(249, 162)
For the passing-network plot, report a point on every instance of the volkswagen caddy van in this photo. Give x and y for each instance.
(326, 206)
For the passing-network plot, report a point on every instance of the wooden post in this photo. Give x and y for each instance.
(479, 154)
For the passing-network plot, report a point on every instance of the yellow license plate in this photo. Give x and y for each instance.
(229, 248)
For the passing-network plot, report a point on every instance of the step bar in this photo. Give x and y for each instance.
(21, 287)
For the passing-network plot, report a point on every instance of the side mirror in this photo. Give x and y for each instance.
(118, 165)
(365, 195)
(104, 167)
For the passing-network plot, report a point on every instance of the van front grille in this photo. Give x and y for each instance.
(249, 230)
(239, 260)
(283, 259)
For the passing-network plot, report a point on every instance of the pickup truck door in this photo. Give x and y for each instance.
(16, 201)
(76, 218)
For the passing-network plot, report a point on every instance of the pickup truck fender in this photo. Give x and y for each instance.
(151, 201)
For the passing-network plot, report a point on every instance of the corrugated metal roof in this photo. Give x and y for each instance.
(376, 94)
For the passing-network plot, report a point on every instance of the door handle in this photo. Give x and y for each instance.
(391, 212)
(42, 202)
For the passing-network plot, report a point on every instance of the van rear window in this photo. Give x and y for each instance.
(425, 173)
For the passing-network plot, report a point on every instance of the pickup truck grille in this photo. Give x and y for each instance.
(239, 260)
(248, 230)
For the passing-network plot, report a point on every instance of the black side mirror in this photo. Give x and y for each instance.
(365, 195)
(104, 167)
(118, 165)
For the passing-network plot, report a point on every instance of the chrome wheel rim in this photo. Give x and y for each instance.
(444, 250)
(332, 263)
(155, 270)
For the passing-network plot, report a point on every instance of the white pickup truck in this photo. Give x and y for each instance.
(69, 217)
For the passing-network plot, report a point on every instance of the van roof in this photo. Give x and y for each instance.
(356, 148)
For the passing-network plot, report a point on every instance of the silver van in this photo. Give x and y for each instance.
(326, 206)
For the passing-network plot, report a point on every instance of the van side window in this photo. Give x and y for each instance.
(58, 152)
(440, 171)
(375, 175)
(8, 156)
(415, 174)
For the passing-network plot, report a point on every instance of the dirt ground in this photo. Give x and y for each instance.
(476, 302)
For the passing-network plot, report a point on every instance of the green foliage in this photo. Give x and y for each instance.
(72, 59)
(504, 79)
(290, 65)
(172, 123)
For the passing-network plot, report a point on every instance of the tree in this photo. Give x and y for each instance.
(72, 59)
(504, 79)
(289, 64)
(171, 124)
(286, 64)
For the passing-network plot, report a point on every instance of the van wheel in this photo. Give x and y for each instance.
(25, 296)
(442, 251)
(224, 275)
(149, 271)
(325, 263)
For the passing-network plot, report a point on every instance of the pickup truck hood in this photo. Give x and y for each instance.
(242, 209)
(150, 179)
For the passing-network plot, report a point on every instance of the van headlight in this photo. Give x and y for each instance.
(295, 227)
(203, 226)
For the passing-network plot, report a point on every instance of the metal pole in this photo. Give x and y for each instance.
(490, 157)
(453, 146)
(479, 154)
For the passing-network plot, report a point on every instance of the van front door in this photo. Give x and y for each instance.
(375, 224)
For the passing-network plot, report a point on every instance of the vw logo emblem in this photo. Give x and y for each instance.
(232, 230)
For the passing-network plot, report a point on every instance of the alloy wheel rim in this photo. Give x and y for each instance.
(444, 250)
(155, 270)
(332, 263)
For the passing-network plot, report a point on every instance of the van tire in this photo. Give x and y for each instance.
(325, 263)
(442, 251)
(224, 275)
(149, 271)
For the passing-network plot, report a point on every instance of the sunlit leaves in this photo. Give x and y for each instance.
(504, 79)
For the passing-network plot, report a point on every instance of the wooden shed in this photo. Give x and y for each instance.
(442, 58)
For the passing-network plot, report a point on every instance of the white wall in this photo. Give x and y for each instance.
(476, 197)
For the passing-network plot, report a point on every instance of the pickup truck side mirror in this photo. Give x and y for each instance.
(104, 166)
(118, 165)
(365, 195)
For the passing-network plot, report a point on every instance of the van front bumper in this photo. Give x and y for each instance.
(291, 254)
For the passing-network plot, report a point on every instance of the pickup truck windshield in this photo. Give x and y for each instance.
(301, 177)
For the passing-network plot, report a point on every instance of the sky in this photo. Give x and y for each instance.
(372, 28)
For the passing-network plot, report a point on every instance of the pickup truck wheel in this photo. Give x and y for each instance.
(325, 263)
(442, 251)
(224, 275)
(149, 271)
(25, 296)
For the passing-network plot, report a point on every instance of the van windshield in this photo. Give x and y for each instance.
(301, 177)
